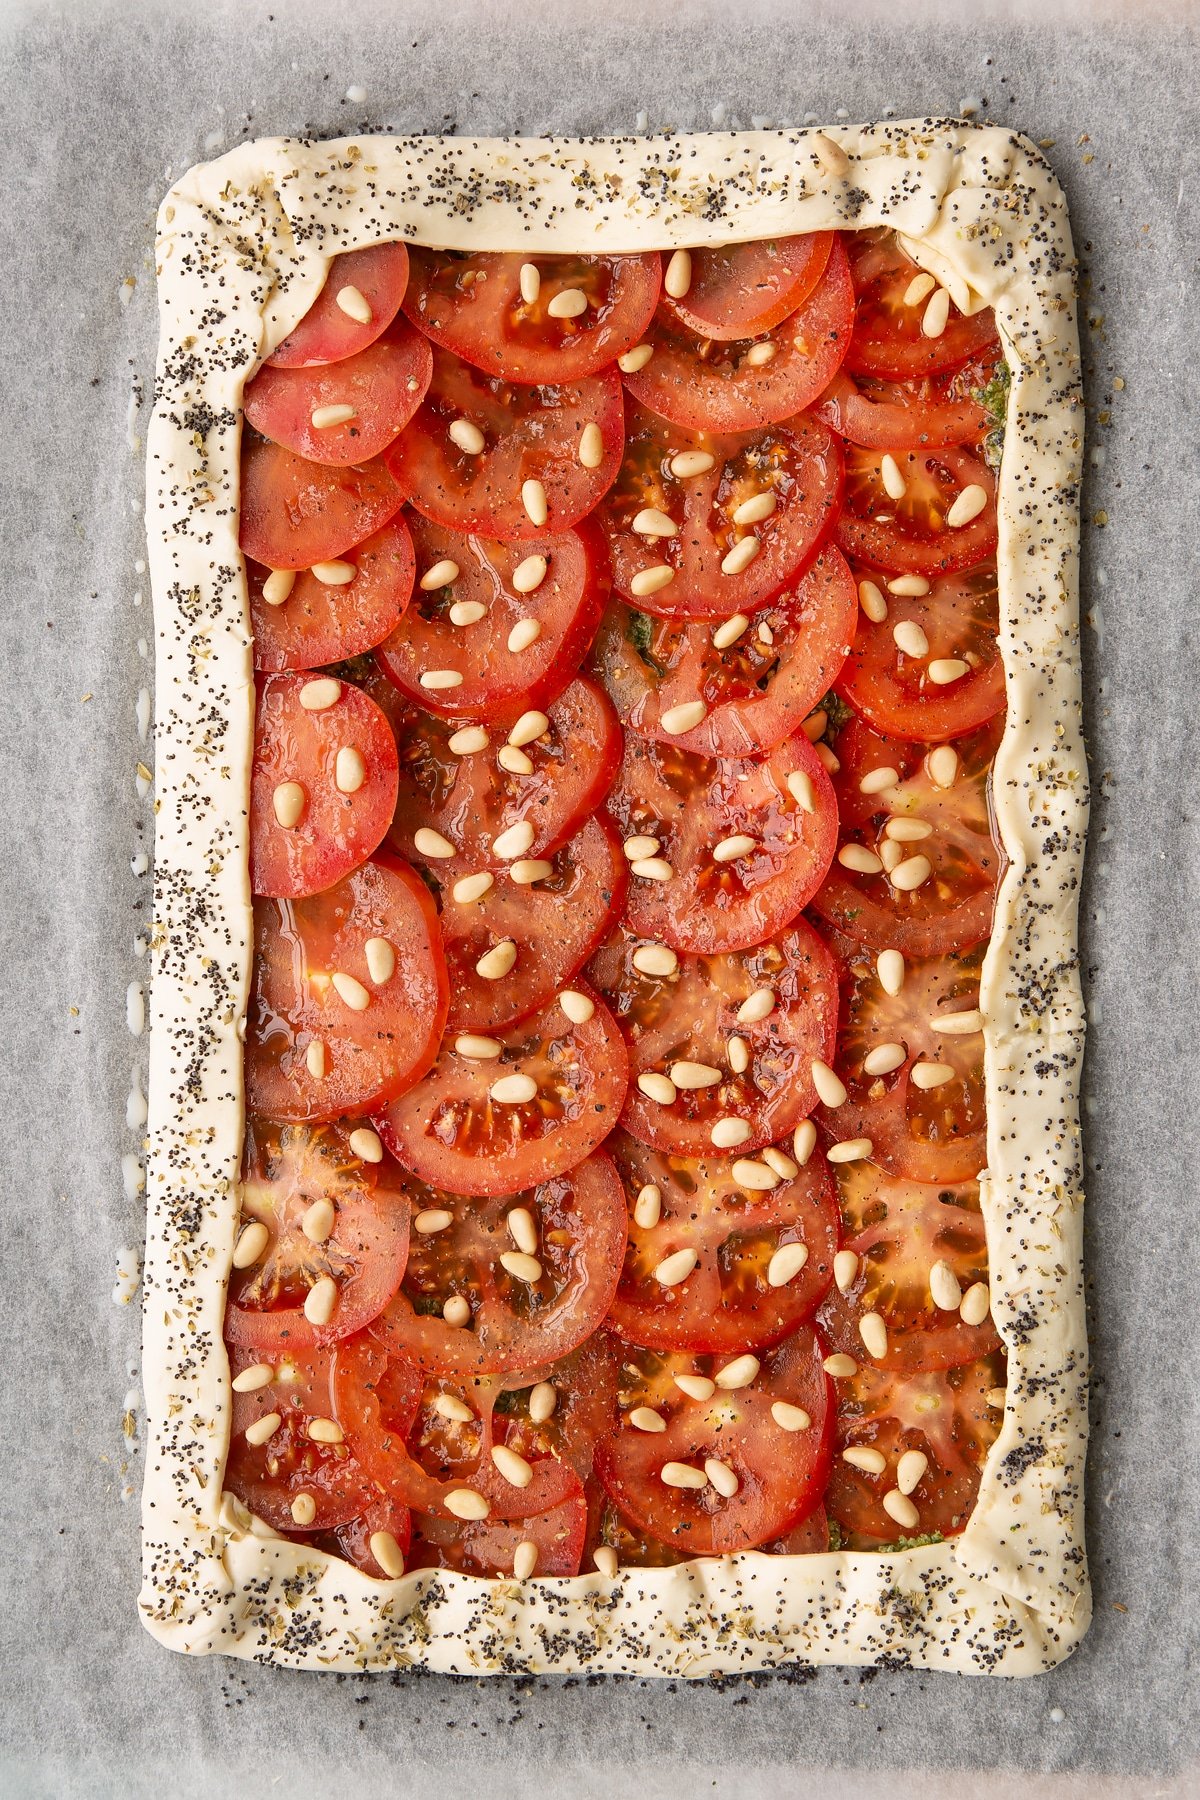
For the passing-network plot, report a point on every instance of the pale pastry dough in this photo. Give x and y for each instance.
(242, 250)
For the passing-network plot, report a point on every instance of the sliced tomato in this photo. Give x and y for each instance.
(585, 1404)
(693, 805)
(291, 1467)
(809, 1538)
(891, 689)
(944, 1414)
(910, 535)
(494, 680)
(320, 622)
(327, 333)
(578, 1221)
(898, 1229)
(727, 1302)
(952, 908)
(692, 1016)
(529, 434)
(286, 1171)
(780, 1473)
(554, 924)
(455, 1136)
(353, 1540)
(758, 690)
(910, 415)
(924, 1134)
(295, 513)
(489, 1547)
(382, 386)
(707, 385)
(472, 303)
(795, 468)
(363, 1055)
(326, 746)
(740, 290)
(889, 338)
(470, 798)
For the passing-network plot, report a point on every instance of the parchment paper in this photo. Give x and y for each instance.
(102, 107)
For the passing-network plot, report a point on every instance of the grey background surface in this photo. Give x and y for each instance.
(102, 107)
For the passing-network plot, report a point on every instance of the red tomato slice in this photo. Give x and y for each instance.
(455, 1136)
(692, 806)
(353, 1540)
(553, 923)
(470, 798)
(489, 1548)
(299, 1021)
(291, 1468)
(473, 305)
(918, 414)
(795, 468)
(327, 333)
(692, 1016)
(514, 1323)
(911, 535)
(707, 386)
(295, 513)
(529, 434)
(757, 690)
(740, 290)
(585, 1404)
(892, 690)
(943, 1413)
(779, 1473)
(930, 1134)
(898, 1230)
(382, 386)
(321, 623)
(952, 908)
(889, 338)
(727, 1302)
(496, 680)
(286, 1170)
(324, 750)
(809, 1538)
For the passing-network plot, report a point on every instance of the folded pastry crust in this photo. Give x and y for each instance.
(243, 247)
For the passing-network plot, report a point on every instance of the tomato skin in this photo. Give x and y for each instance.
(555, 924)
(898, 1230)
(692, 1016)
(726, 1304)
(484, 319)
(811, 624)
(487, 1548)
(498, 683)
(797, 464)
(892, 692)
(384, 383)
(336, 831)
(327, 334)
(888, 339)
(472, 799)
(921, 414)
(780, 1473)
(953, 909)
(268, 1477)
(448, 1132)
(319, 624)
(909, 536)
(353, 1540)
(740, 290)
(530, 433)
(690, 804)
(580, 1222)
(720, 391)
(295, 513)
(369, 1056)
(943, 1413)
(285, 1169)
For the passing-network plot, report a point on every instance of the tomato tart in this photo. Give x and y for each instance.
(614, 1174)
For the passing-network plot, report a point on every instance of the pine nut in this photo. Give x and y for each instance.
(568, 303)
(635, 359)
(654, 959)
(321, 1300)
(513, 1467)
(889, 965)
(840, 1366)
(789, 1417)
(652, 580)
(528, 576)
(326, 1431)
(786, 1264)
(652, 522)
(738, 1052)
(873, 1332)
(436, 680)
(605, 1559)
(728, 633)
(804, 1142)
(465, 1503)
(468, 741)
(278, 586)
(520, 1266)
(647, 1208)
(850, 1150)
(738, 1374)
(288, 802)
(908, 586)
(883, 1059)
(942, 765)
(258, 1375)
(859, 859)
(387, 1554)
(876, 780)
(910, 639)
(261, 1431)
(324, 418)
(525, 1558)
(495, 963)
(513, 1090)
(898, 1506)
(911, 874)
(730, 849)
(967, 505)
(515, 841)
(682, 1475)
(696, 1387)
(522, 1229)
(543, 1398)
(740, 556)
(678, 277)
(757, 1176)
(314, 1059)
(936, 314)
(944, 1289)
(334, 574)
(251, 1245)
(652, 868)
(686, 463)
(845, 1270)
(728, 1133)
(432, 1220)
(432, 844)
(467, 436)
(894, 484)
(354, 303)
(304, 1509)
(976, 1304)
(526, 871)
(529, 726)
(350, 771)
(927, 1075)
(591, 446)
(678, 719)
(467, 612)
(578, 1007)
(644, 1418)
(692, 1076)
(473, 887)
(675, 1268)
(866, 1458)
(910, 1470)
(350, 991)
(533, 499)
(457, 1310)
(530, 279)
(721, 1476)
(656, 1087)
(439, 576)
(959, 1024)
(756, 508)
(381, 960)
(944, 670)
(638, 848)
(365, 1144)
